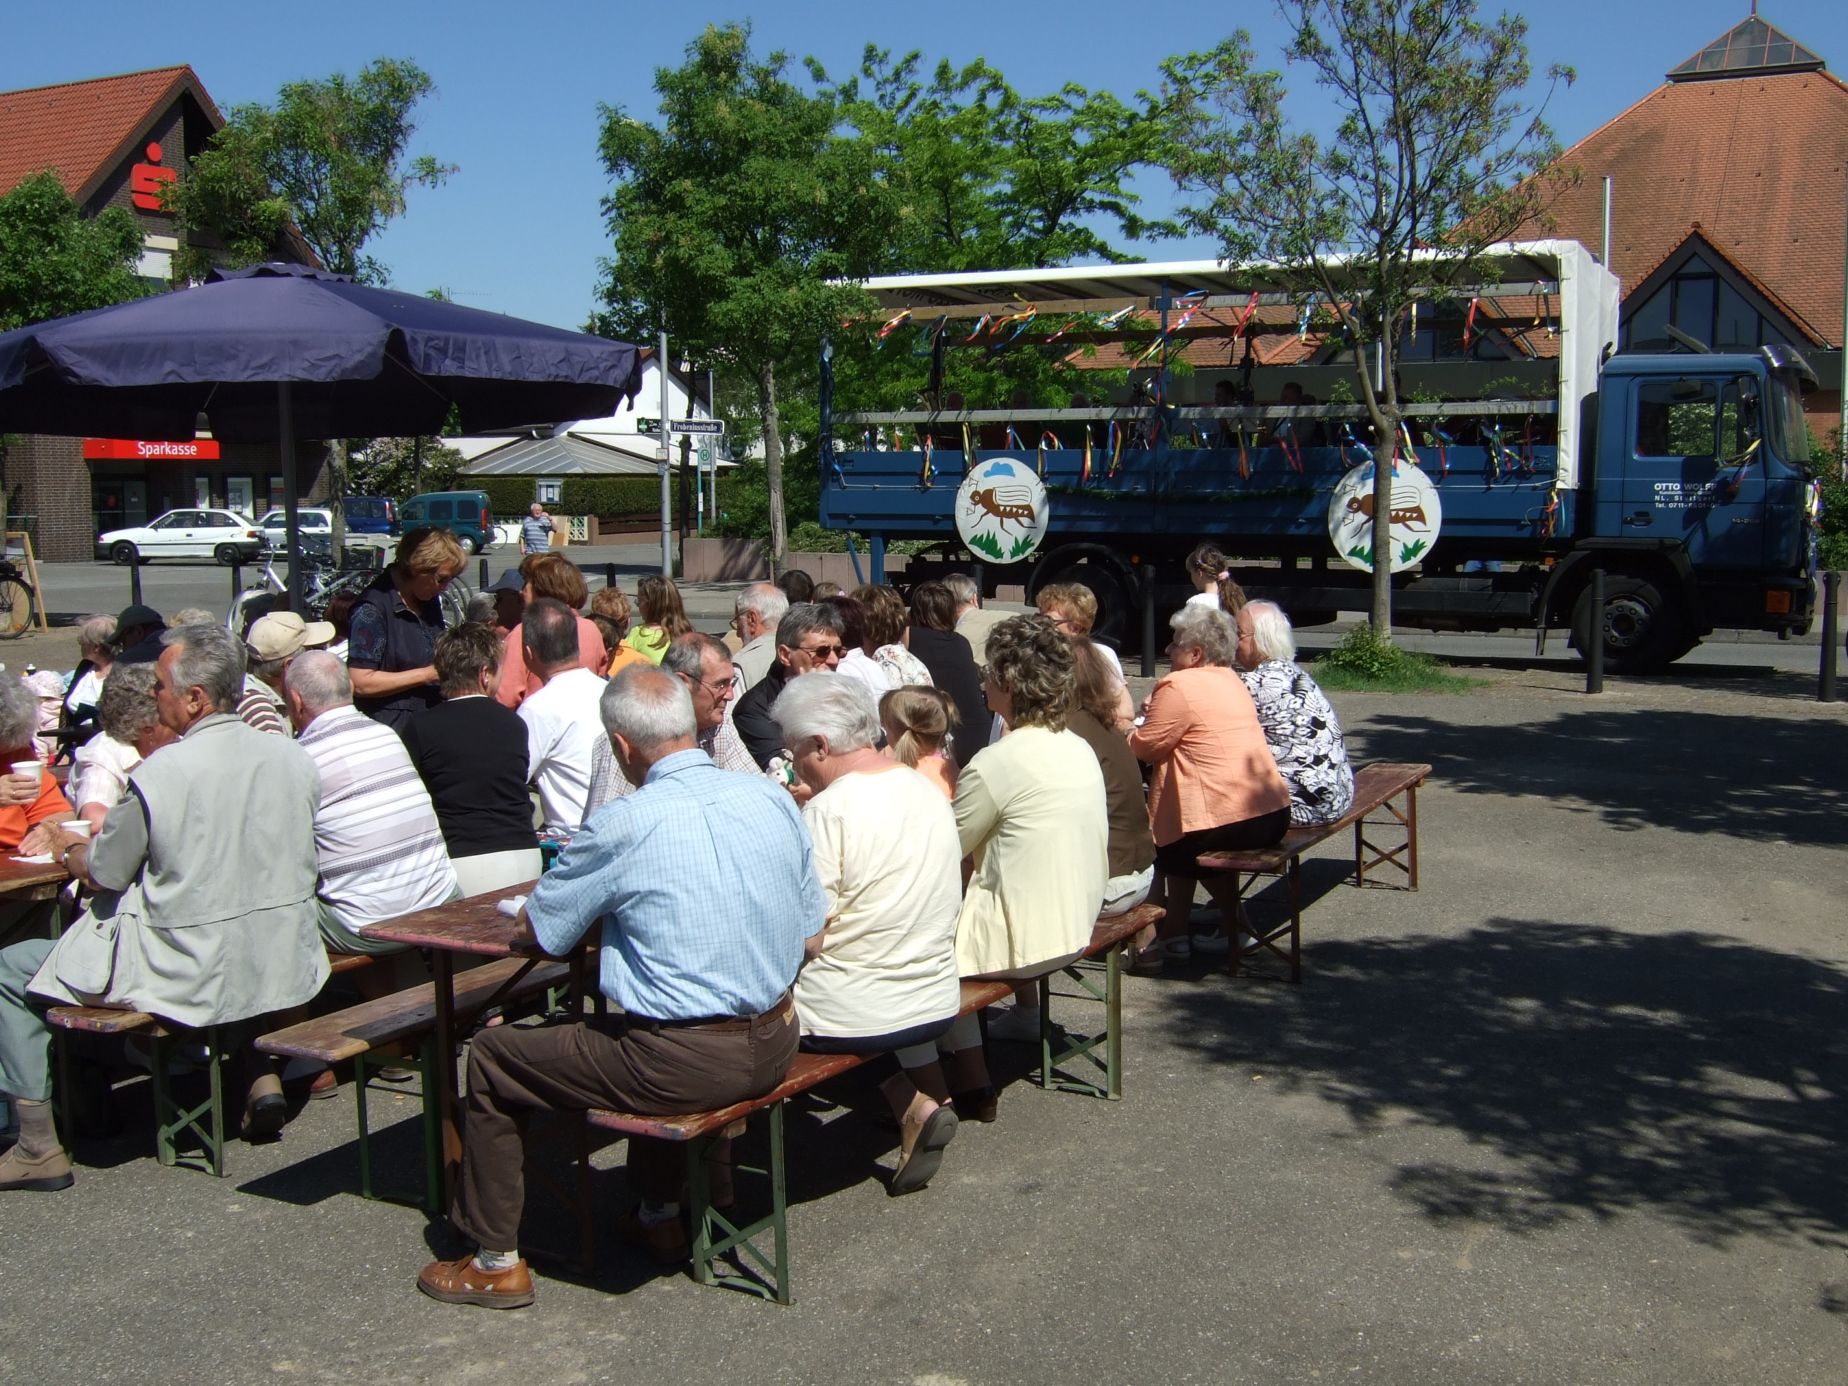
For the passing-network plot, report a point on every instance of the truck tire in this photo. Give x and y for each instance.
(1641, 630)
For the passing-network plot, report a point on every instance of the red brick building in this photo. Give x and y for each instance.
(113, 141)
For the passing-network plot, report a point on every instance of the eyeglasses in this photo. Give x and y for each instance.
(823, 651)
(718, 688)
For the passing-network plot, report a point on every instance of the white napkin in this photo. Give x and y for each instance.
(510, 907)
(43, 859)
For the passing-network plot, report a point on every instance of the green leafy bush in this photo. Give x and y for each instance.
(1362, 663)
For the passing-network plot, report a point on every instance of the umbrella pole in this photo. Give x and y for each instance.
(285, 416)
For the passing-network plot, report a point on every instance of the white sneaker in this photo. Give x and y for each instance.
(1013, 1023)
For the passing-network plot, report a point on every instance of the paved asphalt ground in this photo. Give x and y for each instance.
(1572, 1112)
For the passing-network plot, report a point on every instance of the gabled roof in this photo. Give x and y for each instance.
(1745, 160)
(1749, 46)
(564, 454)
(84, 130)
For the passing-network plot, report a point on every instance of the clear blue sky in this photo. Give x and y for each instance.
(518, 228)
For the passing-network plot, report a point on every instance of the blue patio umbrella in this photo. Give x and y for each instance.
(280, 352)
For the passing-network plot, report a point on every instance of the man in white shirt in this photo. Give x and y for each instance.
(379, 850)
(563, 724)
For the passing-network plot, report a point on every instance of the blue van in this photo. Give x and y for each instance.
(370, 514)
(464, 512)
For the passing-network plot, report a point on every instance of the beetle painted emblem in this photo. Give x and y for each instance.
(1416, 516)
(1002, 510)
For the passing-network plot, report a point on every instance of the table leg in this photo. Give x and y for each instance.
(443, 1067)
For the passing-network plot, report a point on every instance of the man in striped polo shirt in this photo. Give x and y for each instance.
(378, 846)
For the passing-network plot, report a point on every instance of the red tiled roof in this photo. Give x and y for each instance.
(1756, 163)
(84, 129)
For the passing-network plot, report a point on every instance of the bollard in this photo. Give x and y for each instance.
(134, 583)
(237, 581)
(484, 576)
(1148, 620)
(609, 574)
(1831, 591)
(1594, 653)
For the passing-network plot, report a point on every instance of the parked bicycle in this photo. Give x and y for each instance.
(322, 578)
(15, 601)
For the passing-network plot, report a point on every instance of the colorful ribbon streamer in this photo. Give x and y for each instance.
(1469, 322)
(895, 324)
(1042, 449)
(927, 471)
(1116, 448)
(1084, 468)
(981, 324)
(968, 446)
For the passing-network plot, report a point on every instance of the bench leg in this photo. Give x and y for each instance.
(1113, 1021)
(1043, 989)
(1080, 1046)
(171, 1119)
(1411, 832)
(707, 1247)
(1404, 856)
(61, 1090)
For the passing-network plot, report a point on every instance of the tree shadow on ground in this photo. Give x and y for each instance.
(1757, 779)
(1690, 1075)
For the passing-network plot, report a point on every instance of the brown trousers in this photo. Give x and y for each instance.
(579, 1065)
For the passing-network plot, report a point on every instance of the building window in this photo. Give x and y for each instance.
(1702, 303)
(156, 260)
(548, 491)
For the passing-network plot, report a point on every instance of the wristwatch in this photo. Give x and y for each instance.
(64, 857)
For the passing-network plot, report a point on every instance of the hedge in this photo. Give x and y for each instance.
(606, 497)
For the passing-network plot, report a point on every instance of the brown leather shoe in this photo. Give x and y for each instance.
(464, 1282)
(665, 1241)
(324, 1084)
(35, 1173)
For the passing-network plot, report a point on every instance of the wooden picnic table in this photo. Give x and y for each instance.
(24, 881)
(471, 927)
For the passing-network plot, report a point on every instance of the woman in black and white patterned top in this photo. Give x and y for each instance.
(1301, 727)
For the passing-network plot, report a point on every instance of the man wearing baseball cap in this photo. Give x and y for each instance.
(269, 649)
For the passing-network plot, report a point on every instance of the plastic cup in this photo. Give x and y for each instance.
(76, 827)
(26, 767)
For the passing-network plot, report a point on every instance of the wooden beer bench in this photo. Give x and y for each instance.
(716, 1235)
(1386, 788)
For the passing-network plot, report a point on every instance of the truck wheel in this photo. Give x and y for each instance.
(1640, 629)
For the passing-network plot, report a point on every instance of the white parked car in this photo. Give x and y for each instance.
(313, 524)
(221, 534)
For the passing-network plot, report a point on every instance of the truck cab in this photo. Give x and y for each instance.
(1701, 503)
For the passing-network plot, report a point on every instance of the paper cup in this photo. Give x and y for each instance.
(76, 827)
(26, 767)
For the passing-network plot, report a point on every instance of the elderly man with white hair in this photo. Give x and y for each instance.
(703, 886)
(755, 614)
(378, 846)
(1299, 724)
(176, 928)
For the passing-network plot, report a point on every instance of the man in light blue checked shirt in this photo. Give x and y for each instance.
(706, 888)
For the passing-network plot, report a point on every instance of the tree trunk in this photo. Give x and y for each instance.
(1381, 613)
(773, 464)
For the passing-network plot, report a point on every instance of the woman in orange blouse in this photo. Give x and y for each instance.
(1215, 786)
(555, 576)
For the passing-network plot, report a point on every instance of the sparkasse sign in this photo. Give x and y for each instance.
(150, 450)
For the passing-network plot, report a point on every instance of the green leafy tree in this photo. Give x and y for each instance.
(1435, 155)
(395, 467)
(55, 261)
(732, 220)
(328, 163)
(984, 177)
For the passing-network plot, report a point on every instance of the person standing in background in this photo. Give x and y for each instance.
(536, 531)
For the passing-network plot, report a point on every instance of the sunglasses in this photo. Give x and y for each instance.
(823, 651)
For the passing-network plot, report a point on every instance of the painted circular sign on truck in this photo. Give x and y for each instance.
(1416, 516)
(1001, 509)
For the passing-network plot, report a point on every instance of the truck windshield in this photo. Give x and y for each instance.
(1790, 430)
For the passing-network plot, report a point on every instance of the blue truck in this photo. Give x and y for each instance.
(1681, 475)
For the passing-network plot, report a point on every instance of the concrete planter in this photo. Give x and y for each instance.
(742, 560)
(722, 560)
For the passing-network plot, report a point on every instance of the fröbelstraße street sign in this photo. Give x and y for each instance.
(710, 427)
